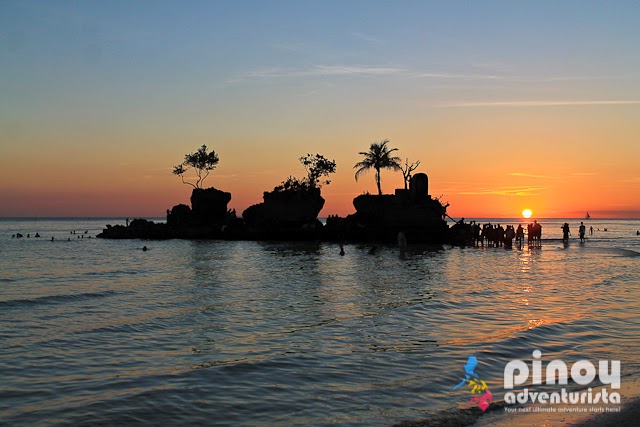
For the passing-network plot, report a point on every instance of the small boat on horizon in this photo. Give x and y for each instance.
(587, 216)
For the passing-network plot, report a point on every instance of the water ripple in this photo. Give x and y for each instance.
(54, 299)
(256, 333)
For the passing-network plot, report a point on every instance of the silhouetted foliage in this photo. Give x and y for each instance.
(406, 171)
(444, 204)
(293, 184)
(201, 161)
(316, 166)
(378, 157)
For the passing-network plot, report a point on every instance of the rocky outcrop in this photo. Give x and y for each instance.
(204, 219)
(209, 206)
(180, 216)
(413, 212)
(285, 209)
(137, 229)
(291, 214)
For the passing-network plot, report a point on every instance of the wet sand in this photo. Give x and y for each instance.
(628, 415)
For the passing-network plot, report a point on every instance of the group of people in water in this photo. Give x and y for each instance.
(495, 235)
(37, 235)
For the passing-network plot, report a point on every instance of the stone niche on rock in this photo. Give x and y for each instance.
(209, 206)
(289, 208)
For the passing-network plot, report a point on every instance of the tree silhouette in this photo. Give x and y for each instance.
(201, 161)
(378, 157)
(316, 166)
(406, 171)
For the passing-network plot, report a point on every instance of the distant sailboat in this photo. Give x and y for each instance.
(587, 216)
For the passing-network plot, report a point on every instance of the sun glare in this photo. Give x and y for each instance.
(527, 213)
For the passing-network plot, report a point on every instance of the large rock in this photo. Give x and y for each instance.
(413, 211)
(396, 211)
(288, 208)
(209, 206)
(180, 216)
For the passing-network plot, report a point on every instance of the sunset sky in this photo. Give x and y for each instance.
(508, 105)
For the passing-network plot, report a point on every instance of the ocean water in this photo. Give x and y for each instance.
(99, 332)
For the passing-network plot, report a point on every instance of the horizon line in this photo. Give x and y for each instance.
(131, 217)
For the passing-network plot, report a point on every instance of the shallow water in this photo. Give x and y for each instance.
(193, 332)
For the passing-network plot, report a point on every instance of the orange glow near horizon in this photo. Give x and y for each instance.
(148, 189)
(141, 183)
(527, 213)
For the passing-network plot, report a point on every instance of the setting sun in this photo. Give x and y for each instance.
(527, 213)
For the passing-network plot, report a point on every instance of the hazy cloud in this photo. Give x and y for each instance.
(289, 46)
(547, 103)
(366, 37)
(442, 75)
(528, 175)
(631, 180)
(583, 77)
(341, 70)
(506, 191)
(320, 71)
(358, 70)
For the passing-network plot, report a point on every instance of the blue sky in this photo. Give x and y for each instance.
(159, 78)
(211, 45)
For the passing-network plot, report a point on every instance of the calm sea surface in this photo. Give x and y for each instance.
(203, 332)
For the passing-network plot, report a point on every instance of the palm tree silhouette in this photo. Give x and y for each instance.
(378, 157)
